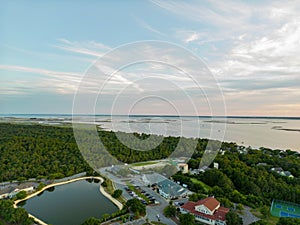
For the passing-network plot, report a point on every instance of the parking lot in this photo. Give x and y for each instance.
(153, 210)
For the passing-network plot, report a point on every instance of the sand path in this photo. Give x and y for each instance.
(115, 201)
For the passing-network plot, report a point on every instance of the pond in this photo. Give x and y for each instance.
(70, 203)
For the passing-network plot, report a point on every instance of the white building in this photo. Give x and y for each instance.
(207, 211)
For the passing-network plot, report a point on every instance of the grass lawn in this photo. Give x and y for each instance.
(205, 186)
(144, 163)
(132, 188)
(271, 220)
(110, 190)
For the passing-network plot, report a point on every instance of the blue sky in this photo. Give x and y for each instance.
(251, 48)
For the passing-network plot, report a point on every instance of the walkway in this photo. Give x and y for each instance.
(115, 201)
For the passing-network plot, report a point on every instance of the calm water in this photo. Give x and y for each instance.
(70, 204)
(276, 133)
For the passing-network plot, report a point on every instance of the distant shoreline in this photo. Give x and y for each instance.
(233, 129)
(101, 189)
(27, 115)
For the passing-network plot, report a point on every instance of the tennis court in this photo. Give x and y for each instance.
(285, 209)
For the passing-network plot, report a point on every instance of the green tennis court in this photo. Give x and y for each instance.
(285, 209)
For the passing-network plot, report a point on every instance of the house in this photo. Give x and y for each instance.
(152, 178)
(194, 171)
(216, 165)
(281, 172)
(171, 190)
(3, 196)
(287, 174)
(28, 189)
(11, 192)
(183, 167)
(261, 164)
(203, 169)
(4, 193)
(200, 170)
(277, 169)
(207, 211)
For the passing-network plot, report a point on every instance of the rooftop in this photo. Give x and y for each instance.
(211, 203)
(171, 188)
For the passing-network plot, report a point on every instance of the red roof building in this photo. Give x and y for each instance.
(207, 211)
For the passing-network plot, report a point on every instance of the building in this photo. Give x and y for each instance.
(281, 172)
(207, 211)
(171, 190)
(12, 192)
(216, 165)
(183, 167)
(152, 178)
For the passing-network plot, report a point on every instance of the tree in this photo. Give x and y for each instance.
(259, 222)
(225, 202)
(195, 197)
(170, 211)
(117, 193)
(40, 186)
(105, 216)
(240, 207)
(21, 195)
(91, 221)
(217, 191)
(136, 207)
(265, 211)
(288, 221)
(233, 218)
(187, 219)
(10, 215)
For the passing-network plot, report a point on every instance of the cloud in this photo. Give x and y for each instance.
(255, 49)
(90, 48)
(270, 61)
(146, 26)
(62, 82)
(264, 41)
(230, 16)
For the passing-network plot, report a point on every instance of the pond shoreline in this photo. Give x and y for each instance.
(101, 189)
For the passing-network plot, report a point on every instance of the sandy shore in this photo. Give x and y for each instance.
(115, 201)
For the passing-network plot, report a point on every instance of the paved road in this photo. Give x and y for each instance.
(152, 211)
(248, 217)
(124, 192)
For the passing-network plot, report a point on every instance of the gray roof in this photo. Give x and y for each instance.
(6, 190)
(287, 173)
(171, 188)
(153, 178)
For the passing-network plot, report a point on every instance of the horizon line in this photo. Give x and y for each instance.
(152, 115)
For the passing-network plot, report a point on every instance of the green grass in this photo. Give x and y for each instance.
(110, 190)
(271, 220)
(205, 186)
(132, 188)
(144, 163)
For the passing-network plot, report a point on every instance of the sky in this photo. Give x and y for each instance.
(183, 57)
